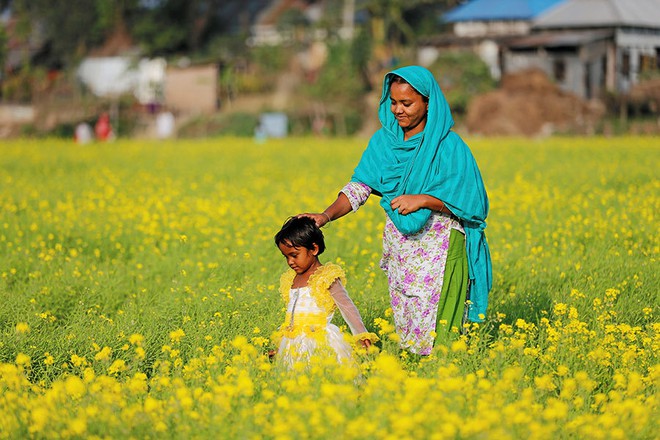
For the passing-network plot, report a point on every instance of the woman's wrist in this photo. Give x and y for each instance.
(327, 216)
(434, 204)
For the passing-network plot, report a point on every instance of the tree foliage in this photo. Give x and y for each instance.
(174, 26)
(462, 75)
(69, 29)
(402, 20)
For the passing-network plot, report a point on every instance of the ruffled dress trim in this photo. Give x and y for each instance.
(319, 283)
(365, 336)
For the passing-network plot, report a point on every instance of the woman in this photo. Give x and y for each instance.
(434, 245)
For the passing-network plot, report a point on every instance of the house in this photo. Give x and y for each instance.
(495, 18)
(482, 26)
(591, 47)
(588, 47)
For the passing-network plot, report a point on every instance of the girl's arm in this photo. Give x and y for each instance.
(350, 313)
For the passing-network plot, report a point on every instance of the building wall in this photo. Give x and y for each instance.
(472, 29)
(192, 89)
(582, 70)
(632, 46)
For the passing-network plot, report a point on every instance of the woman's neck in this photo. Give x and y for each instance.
(408, 133)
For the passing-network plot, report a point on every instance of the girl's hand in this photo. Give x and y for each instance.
(366, 343)
(408, 203)
(320, 219)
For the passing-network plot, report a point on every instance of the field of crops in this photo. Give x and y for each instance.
(138, 283)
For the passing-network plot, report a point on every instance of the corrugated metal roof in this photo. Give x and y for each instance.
(598, 13)
(495, 10)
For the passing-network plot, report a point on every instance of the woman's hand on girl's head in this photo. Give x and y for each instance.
(319, 219)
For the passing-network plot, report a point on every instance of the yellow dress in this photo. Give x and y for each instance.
(307, 329)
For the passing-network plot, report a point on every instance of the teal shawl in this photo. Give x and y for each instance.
(435, 162)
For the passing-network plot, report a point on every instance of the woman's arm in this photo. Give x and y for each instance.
(408, 203)
(339, 208)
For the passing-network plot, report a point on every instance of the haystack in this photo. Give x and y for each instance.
(529, 104)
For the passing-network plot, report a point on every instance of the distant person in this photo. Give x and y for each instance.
(165, 125)
(313, 291)
(434, 245)
(103, 128)
(83, 134)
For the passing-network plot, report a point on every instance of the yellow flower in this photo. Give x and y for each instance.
(22, 359)
(74, 387)
(136, 339)
(138, 383)
(117, 367)
(239, 342)
(78, 361)
(555, 410)
(22, 327)
(48, 359)
(544, 383)
(459, 346)
(560, 309)
(39, 418)
(78, 426)
(177, 335)
(104, 354)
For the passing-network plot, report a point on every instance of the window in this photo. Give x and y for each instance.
(625, 65)
(559, 70)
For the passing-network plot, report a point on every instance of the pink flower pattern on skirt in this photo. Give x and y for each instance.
(415, 266)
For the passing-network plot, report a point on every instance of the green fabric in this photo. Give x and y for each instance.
(435, 162)
(451, 306)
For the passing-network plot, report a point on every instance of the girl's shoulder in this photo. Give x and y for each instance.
(326, 275)
(286, 281)
(320, 282)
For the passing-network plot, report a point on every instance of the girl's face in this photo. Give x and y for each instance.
(300, 259)
(409, 108)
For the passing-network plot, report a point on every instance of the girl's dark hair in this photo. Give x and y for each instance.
(300, 232)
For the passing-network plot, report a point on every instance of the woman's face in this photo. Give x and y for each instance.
(409, 108)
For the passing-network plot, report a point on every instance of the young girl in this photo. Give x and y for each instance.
(313, 291)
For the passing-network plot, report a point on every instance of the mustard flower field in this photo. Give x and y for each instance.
(139, 291)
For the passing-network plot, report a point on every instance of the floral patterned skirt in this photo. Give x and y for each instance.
(415, 267)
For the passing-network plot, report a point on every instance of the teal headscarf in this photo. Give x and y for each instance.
(435, 162)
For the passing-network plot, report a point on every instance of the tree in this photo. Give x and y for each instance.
(398, 19)
(69, 29)
(175, 26)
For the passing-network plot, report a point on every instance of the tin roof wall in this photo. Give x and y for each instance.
(601, 13)
(496, 10)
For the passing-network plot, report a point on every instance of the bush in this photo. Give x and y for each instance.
(230, 124)
(462, 75)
